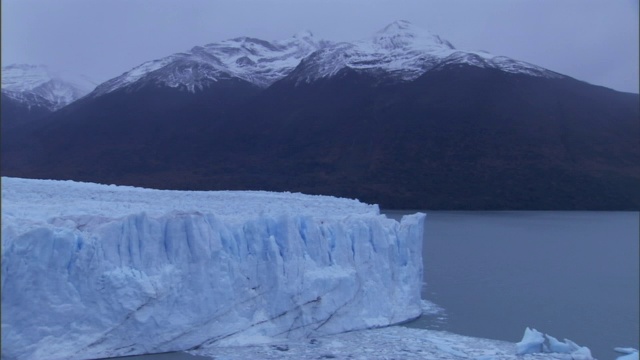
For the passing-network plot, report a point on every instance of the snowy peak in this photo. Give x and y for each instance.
(24, 77)
(256, 61)
(36, 85)
(396, 26)
(303, 34)
(403, 34)
(402, 52)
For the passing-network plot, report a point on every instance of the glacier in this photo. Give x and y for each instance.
(91, 271)
(95, 271)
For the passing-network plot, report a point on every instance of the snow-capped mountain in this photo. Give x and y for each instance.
(400, 51)
(256, 61)
(403, 51)
(37, 86)
(376, 119)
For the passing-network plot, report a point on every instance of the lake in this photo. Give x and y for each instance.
(572, 275)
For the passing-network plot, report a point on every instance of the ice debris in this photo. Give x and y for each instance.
(631, 353)
(533, 342)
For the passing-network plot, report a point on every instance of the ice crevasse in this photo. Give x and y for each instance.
(93, 271)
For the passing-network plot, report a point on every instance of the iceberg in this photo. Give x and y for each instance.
(558, 346)
(631, 353)
(92, 271)
(533, 342)
(631, 356)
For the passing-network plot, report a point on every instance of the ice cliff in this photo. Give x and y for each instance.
(95, 271)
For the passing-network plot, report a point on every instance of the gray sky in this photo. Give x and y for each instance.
(591, 40)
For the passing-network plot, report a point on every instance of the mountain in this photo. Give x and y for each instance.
(403, 52)
(400, 51)
(402, 119)
(252, 60)
(31, 91)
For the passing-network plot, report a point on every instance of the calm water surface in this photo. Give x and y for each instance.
(569, 274)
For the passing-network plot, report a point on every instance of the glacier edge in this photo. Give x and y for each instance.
(94, 286)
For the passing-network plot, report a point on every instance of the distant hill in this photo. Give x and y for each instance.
(402, 119)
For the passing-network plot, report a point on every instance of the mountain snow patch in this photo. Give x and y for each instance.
(36, 85)
(400, 51)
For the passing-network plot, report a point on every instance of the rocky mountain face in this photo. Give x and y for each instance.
(402, 119)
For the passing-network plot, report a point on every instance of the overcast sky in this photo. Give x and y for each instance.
(591, 40)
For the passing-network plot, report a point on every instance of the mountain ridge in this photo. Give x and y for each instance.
(401, 51)
(469, 133)
(36, 85)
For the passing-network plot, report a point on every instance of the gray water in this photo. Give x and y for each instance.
(572, 275)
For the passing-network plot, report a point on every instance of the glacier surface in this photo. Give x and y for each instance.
(94, 271)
